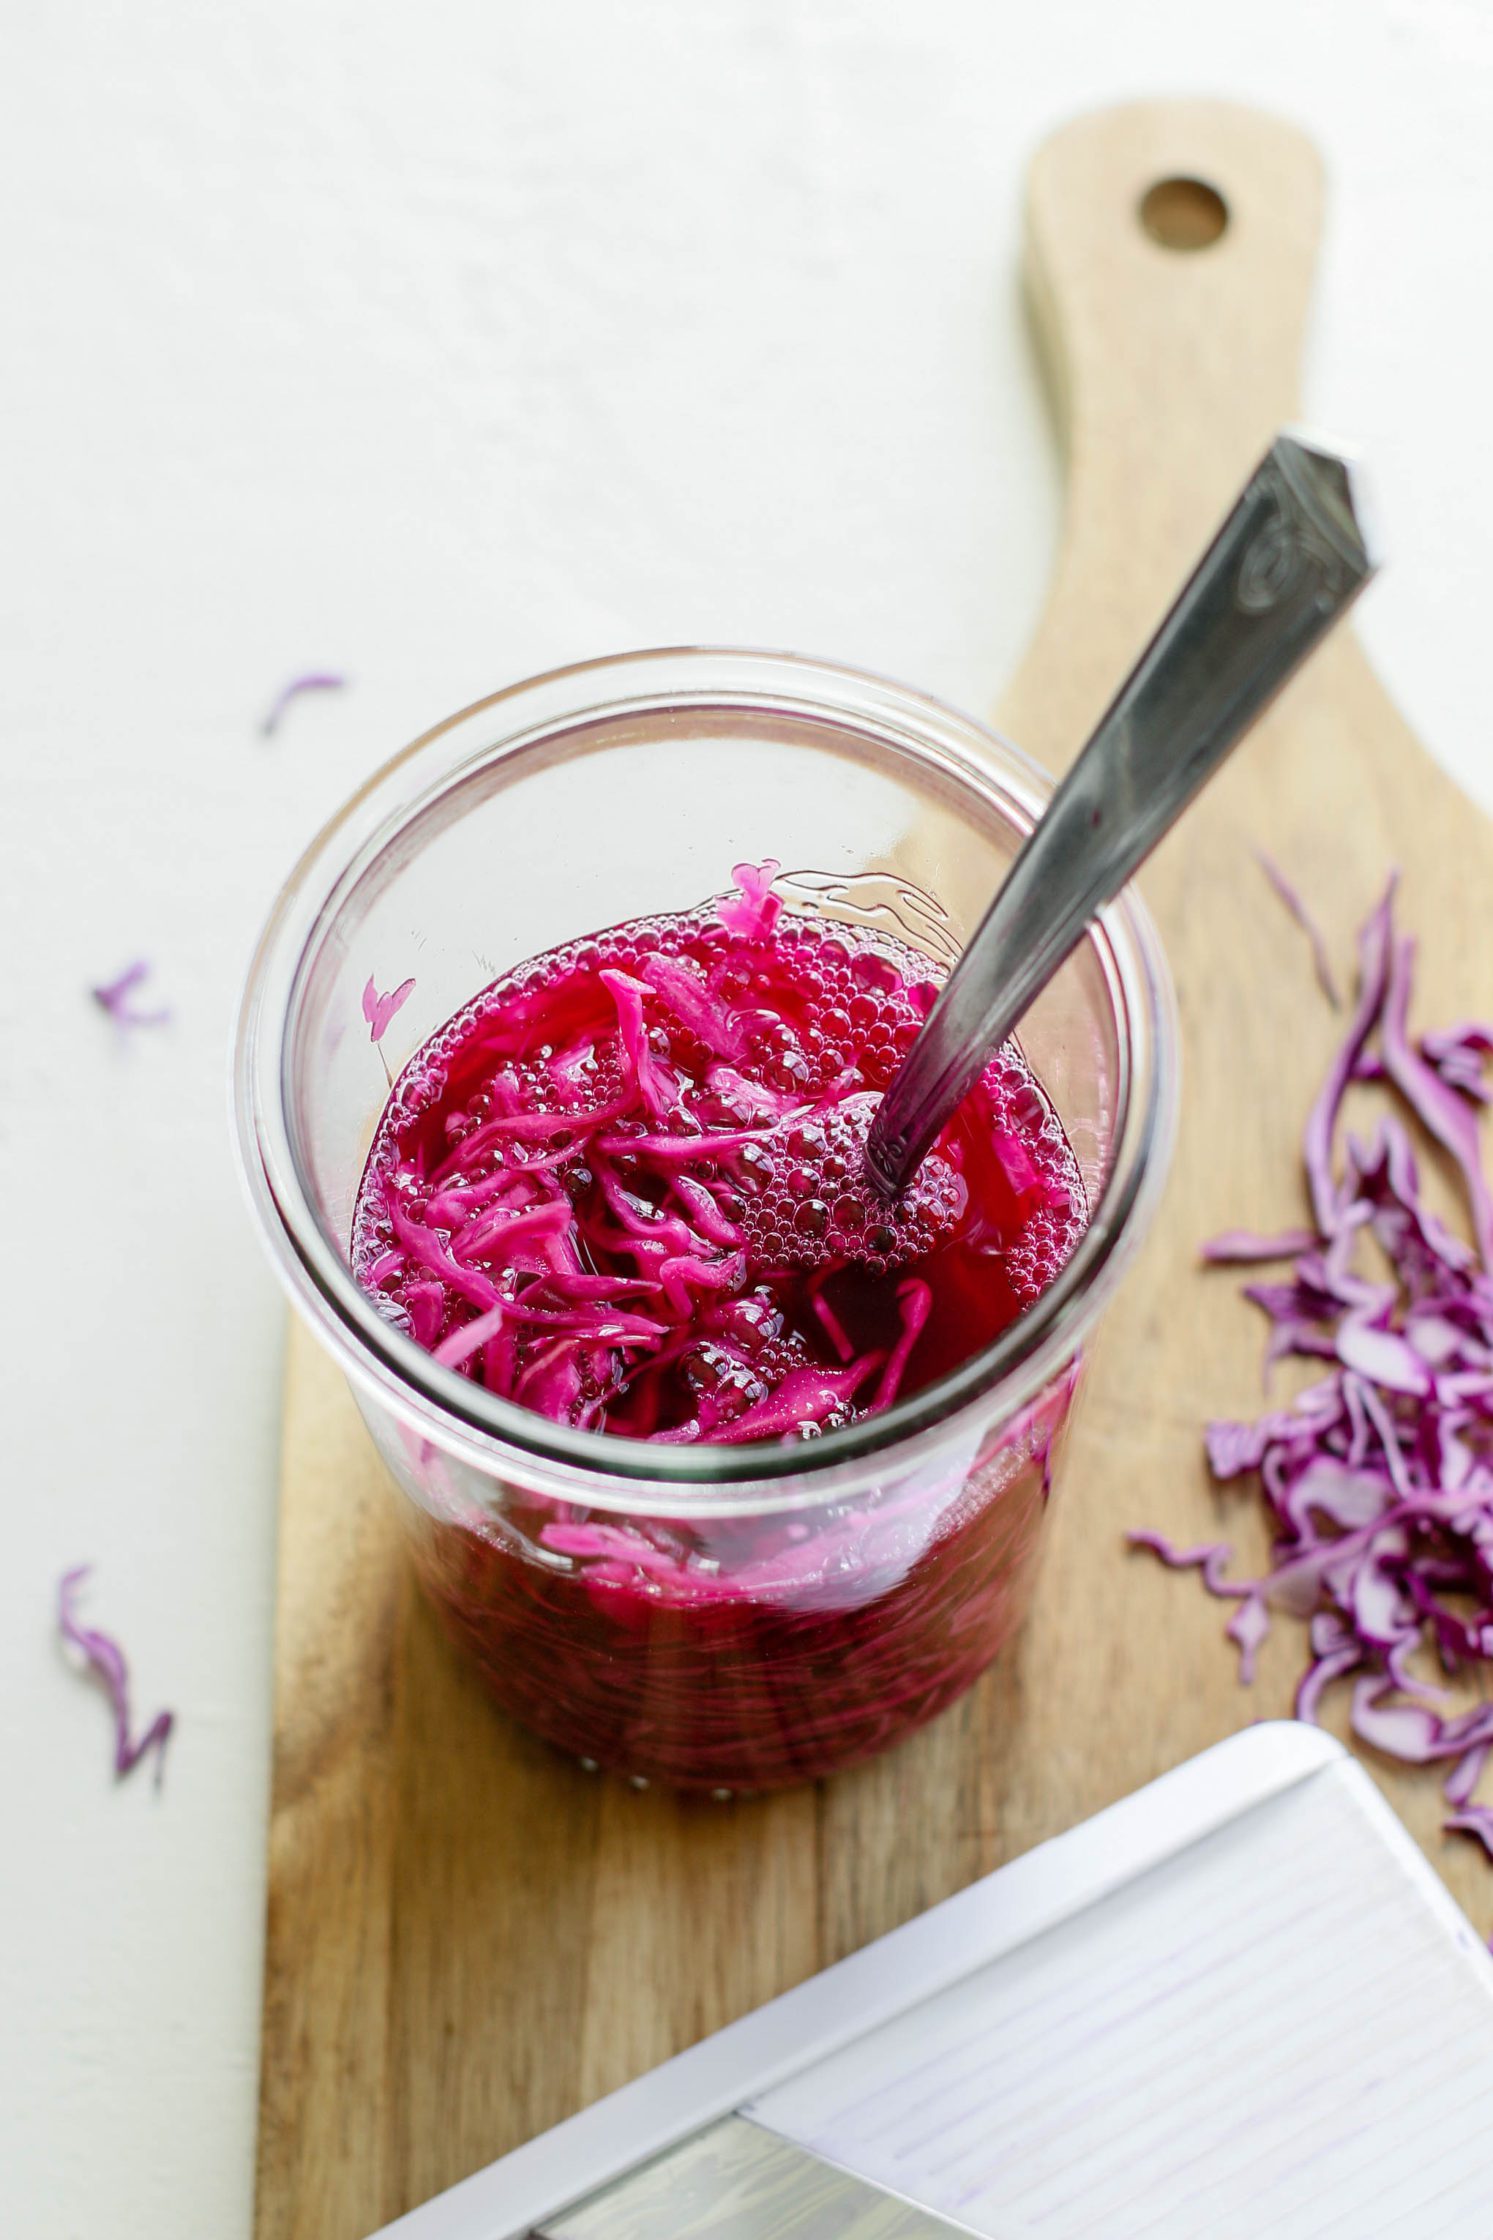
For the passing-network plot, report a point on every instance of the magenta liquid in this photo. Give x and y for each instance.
(623, 1189)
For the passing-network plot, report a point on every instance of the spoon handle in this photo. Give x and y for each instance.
(1288, 561)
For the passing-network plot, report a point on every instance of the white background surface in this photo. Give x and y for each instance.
(438, 345)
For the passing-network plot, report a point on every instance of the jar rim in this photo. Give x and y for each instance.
(451, 1412)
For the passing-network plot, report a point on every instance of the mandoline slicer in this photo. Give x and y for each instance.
(1237, 2003)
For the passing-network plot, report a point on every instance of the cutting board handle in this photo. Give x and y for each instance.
(1170, 253)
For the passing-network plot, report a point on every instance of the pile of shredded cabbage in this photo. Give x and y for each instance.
(1379, 1476)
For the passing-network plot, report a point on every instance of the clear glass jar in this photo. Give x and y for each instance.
(715, 1617)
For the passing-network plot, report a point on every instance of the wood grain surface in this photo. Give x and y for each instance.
(469, 1938)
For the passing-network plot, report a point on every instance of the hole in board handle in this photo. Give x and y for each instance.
(1184, 213)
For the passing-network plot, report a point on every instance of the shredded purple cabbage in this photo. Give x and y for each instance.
(629, 1191)
(753, 910)
(1321, 962)
(103, 1656)
(1378, 1478)
(379, 1010)
(117, 998)
(314, 681)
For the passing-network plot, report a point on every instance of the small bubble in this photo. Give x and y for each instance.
(871, 970)
(756, 1167)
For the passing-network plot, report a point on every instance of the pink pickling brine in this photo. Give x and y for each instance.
(622, 1189)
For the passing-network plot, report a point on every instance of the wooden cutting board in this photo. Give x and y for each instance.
(469, 1938)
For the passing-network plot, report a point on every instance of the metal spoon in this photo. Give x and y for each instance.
(1290, 559)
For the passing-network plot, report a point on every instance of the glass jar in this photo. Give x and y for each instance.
(718, 1618)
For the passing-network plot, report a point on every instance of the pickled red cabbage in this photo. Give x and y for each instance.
(625, 1187)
